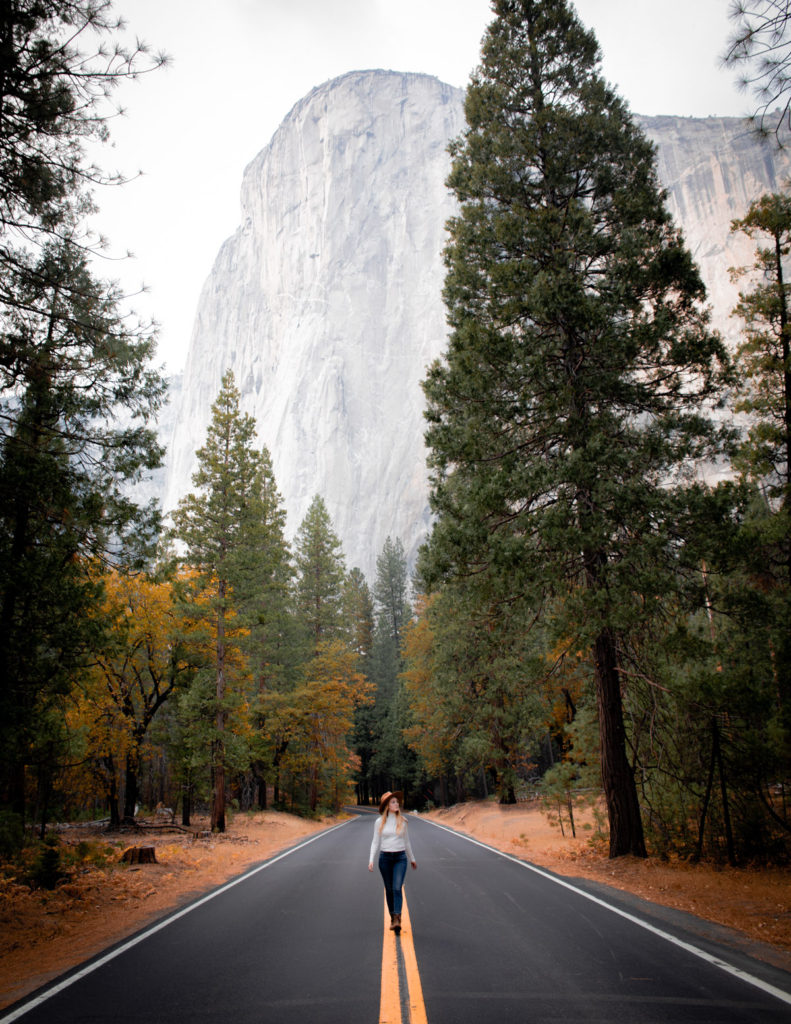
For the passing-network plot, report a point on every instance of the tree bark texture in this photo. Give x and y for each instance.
(620, 791)
(139, 855)
(218, 803)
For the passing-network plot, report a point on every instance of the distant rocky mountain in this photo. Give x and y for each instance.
(326, 302)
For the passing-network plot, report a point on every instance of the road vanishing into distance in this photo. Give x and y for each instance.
(487, 939)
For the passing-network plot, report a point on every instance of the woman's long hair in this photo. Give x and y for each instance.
(400, 819)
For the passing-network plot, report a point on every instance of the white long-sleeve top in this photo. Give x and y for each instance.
(389, 840)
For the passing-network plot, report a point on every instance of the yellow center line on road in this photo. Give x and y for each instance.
(401, 999)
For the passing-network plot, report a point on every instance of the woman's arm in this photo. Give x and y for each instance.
(408, 847)
(375, 844)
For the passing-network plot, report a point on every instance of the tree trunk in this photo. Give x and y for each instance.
(130, 787)
(784, 341)
(186, 805)
(139, 855)
(45, 792)
(218, 793)
(218, 802)
(620, 791)
(507, 794)
(570, 808)
(726, 814)
(112, 792)
(707, 797)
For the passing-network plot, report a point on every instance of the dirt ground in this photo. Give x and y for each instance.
(43, 934)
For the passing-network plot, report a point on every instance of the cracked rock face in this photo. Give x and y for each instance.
(327, 301)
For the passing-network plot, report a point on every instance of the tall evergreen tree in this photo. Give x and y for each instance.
(393, 766)
(392, 615)
(391, 589)
(320, 575)
(359, 617)
(75, 431)
(764, 458)
(221, 526)
(573, 391)
(765, 354)
(72, 365)
(273, 643)
(358, 614)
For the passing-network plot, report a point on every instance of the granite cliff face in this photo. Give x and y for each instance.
(713, 168)
(327, 304)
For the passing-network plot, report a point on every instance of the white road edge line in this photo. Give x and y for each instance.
(27, 1007)
(694, 950)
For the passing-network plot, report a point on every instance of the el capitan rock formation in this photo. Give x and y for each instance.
(327, 301)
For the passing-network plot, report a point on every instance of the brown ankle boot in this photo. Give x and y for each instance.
(396, 925)
(392, 922)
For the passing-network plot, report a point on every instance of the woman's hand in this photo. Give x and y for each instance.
(370, 867)
(414, 865)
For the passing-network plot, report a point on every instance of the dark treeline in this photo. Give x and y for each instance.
(601, 610)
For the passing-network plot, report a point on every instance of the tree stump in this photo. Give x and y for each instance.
(139, 855)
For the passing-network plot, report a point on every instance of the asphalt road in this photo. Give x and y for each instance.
(301, 939)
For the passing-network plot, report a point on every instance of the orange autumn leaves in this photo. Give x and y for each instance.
(159, 641)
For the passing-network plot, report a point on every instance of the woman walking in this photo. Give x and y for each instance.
(391, 842)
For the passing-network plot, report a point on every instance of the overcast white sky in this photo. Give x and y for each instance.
(238, 66)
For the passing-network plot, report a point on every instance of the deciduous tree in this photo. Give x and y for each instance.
(318, 717)
(144, 660)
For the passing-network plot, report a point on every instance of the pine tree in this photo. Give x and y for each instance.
(75, 432)
(273, 644)
(391, 590)
(392, 615)
(579, 364)
(73, 365)
(221, 527)
(320, 575)
(765, 355)
(358, 614)
(359, 617)
(760, 47)
(61, 61)
(764, 363)
(393, 766)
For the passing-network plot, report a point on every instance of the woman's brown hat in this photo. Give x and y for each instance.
(388, 796)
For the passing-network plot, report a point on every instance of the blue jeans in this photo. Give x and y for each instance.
(393, 869)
